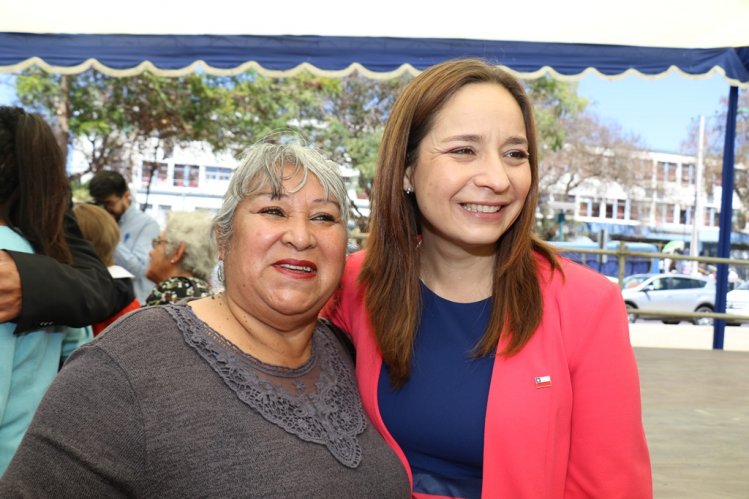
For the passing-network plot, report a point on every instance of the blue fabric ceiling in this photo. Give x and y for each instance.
(223, 54)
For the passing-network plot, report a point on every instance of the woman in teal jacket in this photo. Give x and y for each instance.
(33, 202)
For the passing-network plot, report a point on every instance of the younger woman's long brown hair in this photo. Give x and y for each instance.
(390, 271)
(34, 189)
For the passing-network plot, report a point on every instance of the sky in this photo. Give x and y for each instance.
(658, 110)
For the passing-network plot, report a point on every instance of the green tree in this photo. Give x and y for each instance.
(113, 117)
(356, 110)
(113, 120)
(556, 104)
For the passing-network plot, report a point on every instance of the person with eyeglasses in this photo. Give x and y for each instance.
(110, 191)
(182, 258)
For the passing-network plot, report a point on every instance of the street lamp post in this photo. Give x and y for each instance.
(697, 222)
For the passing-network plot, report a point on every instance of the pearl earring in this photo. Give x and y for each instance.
(220, 272)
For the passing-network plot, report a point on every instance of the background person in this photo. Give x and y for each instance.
(38, 291)
(182, 258)
(138, 229)
(34, 196)
(98, 227)
(242, 394)
(493, 367)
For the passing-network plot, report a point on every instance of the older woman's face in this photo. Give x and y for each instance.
(286, 255)
(159, 264)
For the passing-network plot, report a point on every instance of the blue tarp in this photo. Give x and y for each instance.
(376, 54)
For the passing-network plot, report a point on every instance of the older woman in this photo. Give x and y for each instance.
(241, 394)
(182, 258)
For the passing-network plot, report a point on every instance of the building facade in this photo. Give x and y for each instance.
(667, 203)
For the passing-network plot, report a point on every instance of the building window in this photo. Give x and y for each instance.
(584, 208)
(614, 210)
(186, 175)
(634, 211)
(685, 216)
(620, 209)
(159, 171)
(218, 173)
(666, 171)
(687, 173)
(610, 206)
(665, 213)
(660, 171)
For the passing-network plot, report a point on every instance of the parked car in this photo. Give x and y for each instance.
(737, 302)
(669, 292)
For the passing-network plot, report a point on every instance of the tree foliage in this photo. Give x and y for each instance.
(555, 103)
(593, 151)
(577, 148)
(112, 119)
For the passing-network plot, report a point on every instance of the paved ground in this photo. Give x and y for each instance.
(695, 409)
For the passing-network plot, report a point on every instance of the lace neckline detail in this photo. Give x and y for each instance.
(318, 402)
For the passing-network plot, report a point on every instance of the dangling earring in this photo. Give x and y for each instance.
(220, 272)
(408, 190)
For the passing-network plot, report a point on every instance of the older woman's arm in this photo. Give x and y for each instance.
(86, 439)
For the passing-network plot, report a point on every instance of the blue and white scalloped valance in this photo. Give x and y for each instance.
(173, 55)
(380, 39)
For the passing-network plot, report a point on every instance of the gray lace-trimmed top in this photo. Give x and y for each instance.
(161, 406)
(318, 402)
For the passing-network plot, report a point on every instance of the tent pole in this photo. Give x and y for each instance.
(726, 209)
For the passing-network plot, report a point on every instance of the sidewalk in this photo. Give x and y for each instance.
(686, 336)
(695, 409)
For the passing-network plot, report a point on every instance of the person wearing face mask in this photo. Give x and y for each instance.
(240, 394)
(491, 365)
(110, 191)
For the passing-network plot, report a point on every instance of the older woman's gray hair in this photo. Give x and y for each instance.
(194, 229)
(263, 166)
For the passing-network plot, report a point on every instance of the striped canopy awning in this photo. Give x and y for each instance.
(380, 39)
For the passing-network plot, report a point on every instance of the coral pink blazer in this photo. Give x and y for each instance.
(563, 416)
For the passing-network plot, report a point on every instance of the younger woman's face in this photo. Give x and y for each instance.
(472, 174)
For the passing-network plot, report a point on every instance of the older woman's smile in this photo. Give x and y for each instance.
(298, 268)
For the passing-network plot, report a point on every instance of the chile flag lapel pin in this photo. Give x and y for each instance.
(543, 381)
